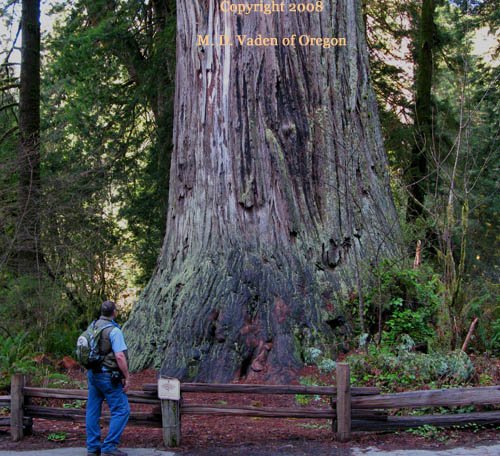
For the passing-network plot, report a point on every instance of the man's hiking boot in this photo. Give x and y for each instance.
(116, 452)
(94, 453)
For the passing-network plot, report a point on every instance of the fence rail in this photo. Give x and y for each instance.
(487, 395)
(136, 397)
(5, 401)
(78, 415)
(351, 409)
(393, 423)
(262, 389)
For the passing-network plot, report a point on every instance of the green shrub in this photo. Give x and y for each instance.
(327, 365)
(314, 357)
(402, 368)
(311, 354)
(39, 309)
(402, 300)
(16, 357)
(413, 323)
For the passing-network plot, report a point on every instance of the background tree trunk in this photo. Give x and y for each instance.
(422, 148)
(278, 191)
(28, 252)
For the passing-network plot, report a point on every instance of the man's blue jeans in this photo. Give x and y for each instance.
(100, 388)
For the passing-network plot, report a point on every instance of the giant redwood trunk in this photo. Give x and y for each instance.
(279, 193)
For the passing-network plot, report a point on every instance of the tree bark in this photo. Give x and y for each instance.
(423, 111)
(28, 252)
(278, 182)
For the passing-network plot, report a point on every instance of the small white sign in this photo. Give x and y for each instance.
(169, 388)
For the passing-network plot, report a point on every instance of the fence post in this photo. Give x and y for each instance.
(170, 396)
(343, 402)
(17, 407)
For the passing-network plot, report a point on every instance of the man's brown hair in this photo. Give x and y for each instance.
(107, 308)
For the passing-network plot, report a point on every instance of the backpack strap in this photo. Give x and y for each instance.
(101, 335)
(106, 326)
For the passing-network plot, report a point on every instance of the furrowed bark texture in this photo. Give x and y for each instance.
(278, 191)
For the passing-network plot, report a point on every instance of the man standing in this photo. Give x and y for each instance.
(109, 381)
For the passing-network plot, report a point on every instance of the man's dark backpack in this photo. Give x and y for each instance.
(87, 346)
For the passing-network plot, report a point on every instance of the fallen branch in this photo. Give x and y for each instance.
(469, 334)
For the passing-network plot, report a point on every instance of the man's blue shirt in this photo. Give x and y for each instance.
(117, 341)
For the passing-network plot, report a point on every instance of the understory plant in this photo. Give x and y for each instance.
(39, 309)
(402, 301)
(16, 356)
(394, 369)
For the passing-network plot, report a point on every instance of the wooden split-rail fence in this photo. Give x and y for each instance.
(351, 408)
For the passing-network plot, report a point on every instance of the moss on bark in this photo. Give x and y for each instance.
(232, 313)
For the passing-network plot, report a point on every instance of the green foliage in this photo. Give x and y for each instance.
(109, 125)
(486, 380)
(57, 436)
(54, 379)
(495, 339)
(40, 310)
(462, 210)
(16, 357)
(483, 301)
(308, 381)
(303, 399)
(106, 143)
(311, 354)
(327, 365)
(474, 427)
(93, 130)
(461, 245)
(403, 301)
(428, 432)
(76, 404)
(306, 399)
(409, 322)
(389, 24)
(403, 368)
(314, 356)
(36, 317)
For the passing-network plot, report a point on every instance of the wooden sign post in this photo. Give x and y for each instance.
(169, 392)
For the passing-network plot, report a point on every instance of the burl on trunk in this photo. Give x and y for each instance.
(279, 195)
